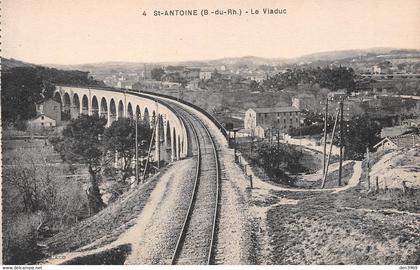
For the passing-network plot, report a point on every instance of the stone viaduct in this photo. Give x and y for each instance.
(113, 104)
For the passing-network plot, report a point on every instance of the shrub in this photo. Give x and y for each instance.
(19, 238)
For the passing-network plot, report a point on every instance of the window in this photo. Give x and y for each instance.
(50, 124)
(284, 121)
(42, 124)
(42, 117)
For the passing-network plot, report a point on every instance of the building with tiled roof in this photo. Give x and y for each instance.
(272, 118)
(403, 141)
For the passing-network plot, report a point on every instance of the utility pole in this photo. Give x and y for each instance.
(234, 143)
(157, 140)
(278, 147)
(329, 155)
(340, 170)
(137, 152)
(368, 168)
(149, 152)
(325, 135)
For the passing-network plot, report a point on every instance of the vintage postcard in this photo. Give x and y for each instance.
(140, 132)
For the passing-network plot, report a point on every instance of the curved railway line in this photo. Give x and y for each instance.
(193, 236)
(196, 240)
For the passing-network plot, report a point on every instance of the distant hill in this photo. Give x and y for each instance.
(236, 61)
(12, 63)
(372, 52)
(230, 61)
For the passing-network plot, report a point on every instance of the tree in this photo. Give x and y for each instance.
(36, 200)
(21, 89)
(277, 160)
(81, 142)
(120, 137)
(157, 74)
(362, 132)
(254, 86)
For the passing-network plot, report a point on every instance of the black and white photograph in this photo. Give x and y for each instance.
(234, 133)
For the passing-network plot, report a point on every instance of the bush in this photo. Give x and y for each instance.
(21, 125)
(20, 237)
(307, 130)
(39, 199)
(278, 161)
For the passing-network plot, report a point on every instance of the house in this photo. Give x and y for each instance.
(191, 73)
(411, 122)
(264, 119)
(338, 95)
(376, 69)
(205, 75)
(126, 84)
(51, 109)
(243, 133)
(193, 85)
(42, 121)
(403, 141)
(395, 131)
(304, 102)
(259, 78)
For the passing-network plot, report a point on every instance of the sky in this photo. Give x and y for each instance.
(89, 31)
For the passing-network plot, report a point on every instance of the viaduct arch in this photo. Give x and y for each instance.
(113, 104)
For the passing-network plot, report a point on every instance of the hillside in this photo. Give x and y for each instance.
(12, 63)
(371, 54)
(396, 167)
(337, 55)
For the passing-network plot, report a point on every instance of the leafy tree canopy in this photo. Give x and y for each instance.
(332, 78)
(22, 87)
(82, 140)
(157, 74)
(120, 136)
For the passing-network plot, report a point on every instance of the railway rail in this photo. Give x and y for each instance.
(196, 240)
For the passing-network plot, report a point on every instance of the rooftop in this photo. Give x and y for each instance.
(276, 109)
(394, 131)
(406, 141)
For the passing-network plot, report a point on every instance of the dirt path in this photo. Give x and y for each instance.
(311, 145)
(354, 180)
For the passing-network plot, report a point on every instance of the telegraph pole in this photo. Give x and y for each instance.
(278, 147)
(137, 152)
(325, 136)
(150, 150)
(340, 170)
(157, 141)
(329, 155)
(368, 168)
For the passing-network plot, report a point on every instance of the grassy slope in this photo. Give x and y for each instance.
(350, 227)
(109, 223)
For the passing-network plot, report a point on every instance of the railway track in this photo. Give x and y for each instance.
(196, 240)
